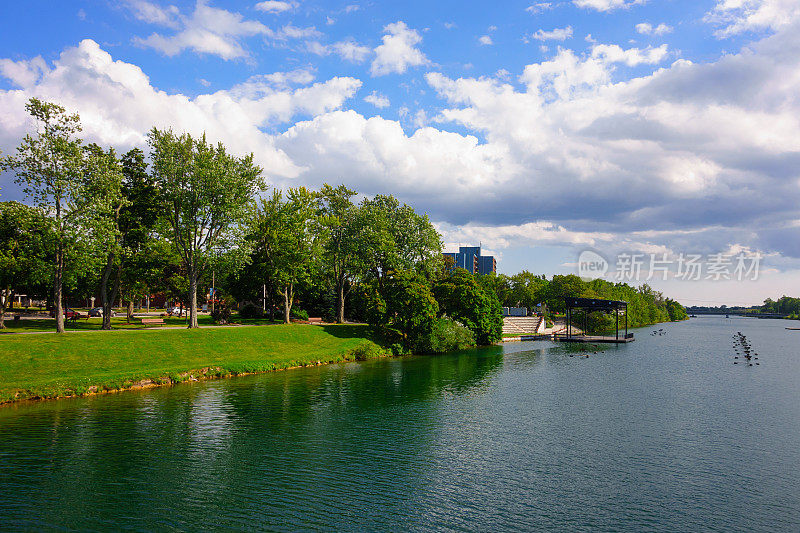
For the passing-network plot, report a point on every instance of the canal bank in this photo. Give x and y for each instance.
(46, 366)
(664, 433)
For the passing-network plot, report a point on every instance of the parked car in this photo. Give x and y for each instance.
(98, 311)
(68, 313)
(175, 311)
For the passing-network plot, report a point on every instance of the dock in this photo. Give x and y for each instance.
(607, 339)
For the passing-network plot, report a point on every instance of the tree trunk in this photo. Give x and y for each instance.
(130, 311)
(340, 310)
(193, 299)
(104, 299)
(58, 286)
(288, 299)
(3, 298)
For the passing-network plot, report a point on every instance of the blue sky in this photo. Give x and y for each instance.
(537, 128)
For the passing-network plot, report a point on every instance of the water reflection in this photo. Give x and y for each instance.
(514, 437)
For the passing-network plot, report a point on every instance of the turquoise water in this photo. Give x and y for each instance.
(665, 433)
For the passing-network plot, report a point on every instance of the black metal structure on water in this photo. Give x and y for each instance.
(588, 305)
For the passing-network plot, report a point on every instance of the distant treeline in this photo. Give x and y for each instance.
(645, 305)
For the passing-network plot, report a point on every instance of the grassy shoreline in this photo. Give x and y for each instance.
(57, 366)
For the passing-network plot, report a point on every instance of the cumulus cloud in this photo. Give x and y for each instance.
(349, 50)
(694, 154)
(153, 13)
(738, 16)
(118, 105)
(607, 5)
(558, 34)
(632, 57)
(211, 30)
(276, 6)
(645, 28)
(485, 40)
(398, 51)
(377, 99)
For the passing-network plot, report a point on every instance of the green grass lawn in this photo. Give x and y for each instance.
(52, 365)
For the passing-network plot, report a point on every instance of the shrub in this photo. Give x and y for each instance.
(398, 349)
(221, 314)
(299, 314)
(447, 335)
(250, 310)
(367, 350)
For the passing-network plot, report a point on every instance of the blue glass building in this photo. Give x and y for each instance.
(470, 259)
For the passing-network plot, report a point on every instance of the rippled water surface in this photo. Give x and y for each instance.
(665, 433)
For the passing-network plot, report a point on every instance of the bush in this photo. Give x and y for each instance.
(367, 350)
(299, 314)
(221, 314)
(447, 335)
(250, 310)
(398, 349)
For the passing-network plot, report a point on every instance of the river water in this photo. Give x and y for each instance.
(665, 433)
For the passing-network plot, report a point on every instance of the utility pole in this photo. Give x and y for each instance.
(264, 298)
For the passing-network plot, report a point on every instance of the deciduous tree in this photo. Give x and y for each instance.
(206, 194)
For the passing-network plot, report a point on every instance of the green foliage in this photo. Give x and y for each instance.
(299, 314)
(392, 236)
(249, 311)
(337, 225)
(783, 305)
(284, 237)
(447, 335)
(407, 309)
(50, 168)
(365, 351)
(462, 298)
(206, 194)
(221, 314)
(25, 251)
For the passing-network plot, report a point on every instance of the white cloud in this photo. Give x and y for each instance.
(377, 99)
(738, 16)
(705, 152)
(154, 14)
(632, 57)
(398, 51)
(485, 40)
(276, 6)
(450, 25)
(348, 50)
(607, 5)
(215, 31)
(645, 28)
(539, 8)
(558, 34)
(351, 51)
(118, 105)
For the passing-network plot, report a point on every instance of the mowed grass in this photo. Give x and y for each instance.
(52, 365)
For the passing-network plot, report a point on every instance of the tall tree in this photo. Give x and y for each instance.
(392, 236)
(49, 167)
(105, 172)
(24, 246)
(338, 225)
(137, 268)
(206, 195)
(286, 233)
